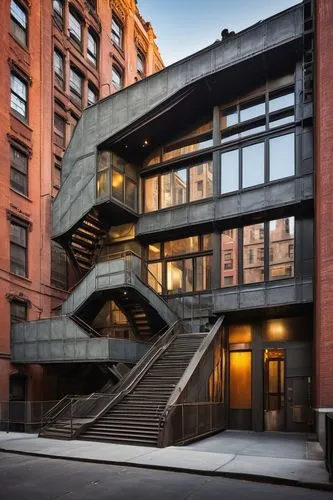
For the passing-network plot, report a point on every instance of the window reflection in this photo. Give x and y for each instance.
(201, 181)
(151, 194)
(179, 186)
(229, 258)
(281, 157)
(281, 248)
(180, 275)
(183, 246)
(281, 102)
(228, 118)
(229, 171)
(253, 248)
(166, 200)
(155, 276)
(204, 272)
(252, 110)
(103, 183)
(253, 164)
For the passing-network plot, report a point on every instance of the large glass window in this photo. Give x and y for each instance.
(117, 32)
(281, 248)
(181, 247)
(19, 171)
(155, 276)
(250, 118)
(18, 96)
(229, 171)
(229, 258)
(183, 265)
(151, 194)
(121, 175)
(253, 245)
(201, 181)
(18, 248)
(19, 24)
(281, 156)
(253, 165)
(59, 69)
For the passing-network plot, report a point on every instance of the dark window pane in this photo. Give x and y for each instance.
(253, 245)
(18, 312)
(75, 86)
(229, 255)
(253, 165)
(117, 78)
(59, 69)
(59, 131)
(92, 96)
(281, 157)
(18, 171)
(58, 266)
(140, 63)
(281, 248)
(229, 171)
(130, 194)
(18, 248)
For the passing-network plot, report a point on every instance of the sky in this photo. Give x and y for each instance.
(186, 26)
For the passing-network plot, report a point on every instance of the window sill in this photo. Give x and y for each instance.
(21, 120)
(24, 47)
(22, 195)
(24, 278)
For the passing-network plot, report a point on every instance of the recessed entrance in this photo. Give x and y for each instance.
(274, 390)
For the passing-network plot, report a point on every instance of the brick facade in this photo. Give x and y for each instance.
(33, 63)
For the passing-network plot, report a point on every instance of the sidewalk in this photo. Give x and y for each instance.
(266, 457)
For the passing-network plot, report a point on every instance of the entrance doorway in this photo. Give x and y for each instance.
(274, 390)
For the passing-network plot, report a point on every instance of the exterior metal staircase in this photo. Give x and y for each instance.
(136, 419)
(86, 241)
(165, 399)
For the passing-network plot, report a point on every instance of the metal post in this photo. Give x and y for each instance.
(71, 411)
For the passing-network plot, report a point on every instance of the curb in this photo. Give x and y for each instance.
(231, 475)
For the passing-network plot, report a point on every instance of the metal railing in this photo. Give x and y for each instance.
(76, 411)
(24, 416)
(329, 444)
(194, 420)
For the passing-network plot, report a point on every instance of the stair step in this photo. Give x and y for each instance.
(113, 439)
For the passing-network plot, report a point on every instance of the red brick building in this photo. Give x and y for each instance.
(324, 209)
(57, 57)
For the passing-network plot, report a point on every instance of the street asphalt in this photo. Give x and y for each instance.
(35, 478)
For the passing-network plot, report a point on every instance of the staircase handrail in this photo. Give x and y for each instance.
(178, 389)
(93, 333)
(136, 374)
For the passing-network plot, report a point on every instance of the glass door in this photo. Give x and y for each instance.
(274, 389)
